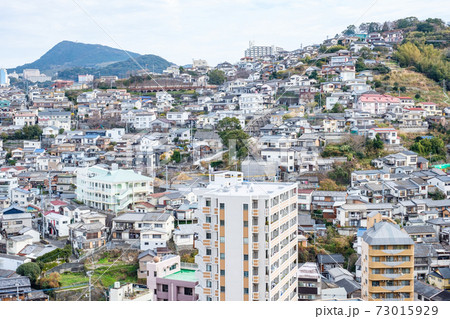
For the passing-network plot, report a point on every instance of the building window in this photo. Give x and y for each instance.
(245, 291)
(245, 240)
(245, 207)
(245, 223)
(222, 288)
(208, 252)
(222, 239)
(245, 257)
(246, 274)
(222, 256)
(188, 291)
(208, 267)
(222, 272)
(165, 288)
(208, 219)
(222, 222)
(208, 202)
(222, 206)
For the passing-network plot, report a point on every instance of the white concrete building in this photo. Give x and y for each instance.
(248, 240)
(249, 103)
(114, 189)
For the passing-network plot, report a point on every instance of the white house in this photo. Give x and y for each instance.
(56, 225)
(250, 103)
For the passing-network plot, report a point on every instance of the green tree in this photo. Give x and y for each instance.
(216, 77)
(61, 130)
(30, 270)
(176, 156)
(227, 124)
(351, 29)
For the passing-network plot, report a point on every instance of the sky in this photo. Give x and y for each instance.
(182, 30)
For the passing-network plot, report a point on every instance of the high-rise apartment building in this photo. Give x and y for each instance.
(387, 261)
(4, 80)
(257, 51)
(248, 240)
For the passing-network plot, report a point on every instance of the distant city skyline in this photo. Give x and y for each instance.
(179, 31)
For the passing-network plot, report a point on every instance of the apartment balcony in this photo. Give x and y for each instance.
(207, 275)
(206, 259)
(388, 289)
(207, 242)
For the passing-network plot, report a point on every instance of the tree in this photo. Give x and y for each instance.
(351, 29)
(60, 131)
(50, 281)
(228, 124)
(425, 27)
(438, 195)
(176, 156)
(341, 173)
(216, 77)
(374, 146)
(330, 185)
(30, 270)
(337, 108)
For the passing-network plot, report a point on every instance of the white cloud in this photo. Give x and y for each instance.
(215, 30)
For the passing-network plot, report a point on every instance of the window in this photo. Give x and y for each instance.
(222, 239)
(188, 291)
(375, 283)
(222, 206)
(222, 256)
(208, 219)
(245, 257)
(254, 204)
(156, 236)
(208, 267)
(222, 288)
(222, 222)
(376, 259)
(245, 223)
(208, 235)
(245, 240)
(158, 225)
(208, 252)
(246, 274)
(165, 288)
(208, 284)
(222, 272)
(245, 206)
(208, 202)
(245, 291)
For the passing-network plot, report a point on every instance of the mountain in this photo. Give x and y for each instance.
(67, 54)
(150, 62)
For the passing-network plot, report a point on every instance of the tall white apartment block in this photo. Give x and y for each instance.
(248, 240)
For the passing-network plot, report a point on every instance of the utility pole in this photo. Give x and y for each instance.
(167, 178)
(89, 273)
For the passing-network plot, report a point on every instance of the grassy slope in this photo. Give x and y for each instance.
(414, 82)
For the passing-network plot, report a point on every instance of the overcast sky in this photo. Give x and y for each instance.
(180, 30)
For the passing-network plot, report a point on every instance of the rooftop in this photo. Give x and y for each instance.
(183, 275)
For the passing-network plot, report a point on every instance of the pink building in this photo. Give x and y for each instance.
(169, 281)
(376, 103)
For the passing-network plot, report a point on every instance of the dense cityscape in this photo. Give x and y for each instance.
(319, 173)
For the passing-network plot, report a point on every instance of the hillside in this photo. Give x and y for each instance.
(121, 69)
(413, 83)
(67, 54)
(152, 63)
